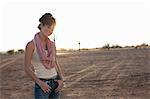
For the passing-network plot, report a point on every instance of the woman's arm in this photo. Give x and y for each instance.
(29, 69)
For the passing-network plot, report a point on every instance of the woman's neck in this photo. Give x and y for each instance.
(42, 37)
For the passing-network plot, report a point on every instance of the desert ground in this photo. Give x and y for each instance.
(91, 74)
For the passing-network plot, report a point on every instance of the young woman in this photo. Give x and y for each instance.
(40, 61)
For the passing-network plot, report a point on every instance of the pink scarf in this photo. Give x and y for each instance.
(47, 59)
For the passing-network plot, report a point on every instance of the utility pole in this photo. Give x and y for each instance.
(79, 45)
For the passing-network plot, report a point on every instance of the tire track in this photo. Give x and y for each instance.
(110, 71)
(81, 77)
(79, 72)
(105, 71)
(114, 71)
(84, 73)
(9, 61)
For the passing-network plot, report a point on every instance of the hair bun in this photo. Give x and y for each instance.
(45, 16)
(49, 14)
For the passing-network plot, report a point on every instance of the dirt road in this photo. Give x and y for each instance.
(88, 74)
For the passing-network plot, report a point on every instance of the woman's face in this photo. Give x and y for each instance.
(47, 30)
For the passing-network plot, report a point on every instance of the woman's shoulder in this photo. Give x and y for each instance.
(30, 45)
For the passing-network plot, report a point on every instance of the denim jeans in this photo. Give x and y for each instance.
(39, 93)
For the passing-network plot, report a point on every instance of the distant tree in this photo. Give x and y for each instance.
(116, 46)
(106, 46)
(143, 45)
(11, 52)
(20, 51)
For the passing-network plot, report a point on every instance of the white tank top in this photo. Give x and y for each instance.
(40, 70)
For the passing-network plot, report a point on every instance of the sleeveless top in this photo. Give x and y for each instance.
(40, 70)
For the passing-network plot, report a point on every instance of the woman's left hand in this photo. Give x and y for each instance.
(60, 85)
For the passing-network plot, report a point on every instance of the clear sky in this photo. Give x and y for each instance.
(92, 22)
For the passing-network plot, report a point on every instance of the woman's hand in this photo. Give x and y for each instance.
(45, 87)
(60, 85)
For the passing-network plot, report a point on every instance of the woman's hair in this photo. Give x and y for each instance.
(46, 19)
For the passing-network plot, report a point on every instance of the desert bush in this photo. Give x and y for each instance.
(20, 51)
(106, 46)
(10, 52)
(116, 46)
(144, 45)
(84, 49)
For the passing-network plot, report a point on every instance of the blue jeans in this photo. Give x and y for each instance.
(39, 93)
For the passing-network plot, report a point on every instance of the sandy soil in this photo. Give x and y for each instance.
(101, 74)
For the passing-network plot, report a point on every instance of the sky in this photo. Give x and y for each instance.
(93, 23)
